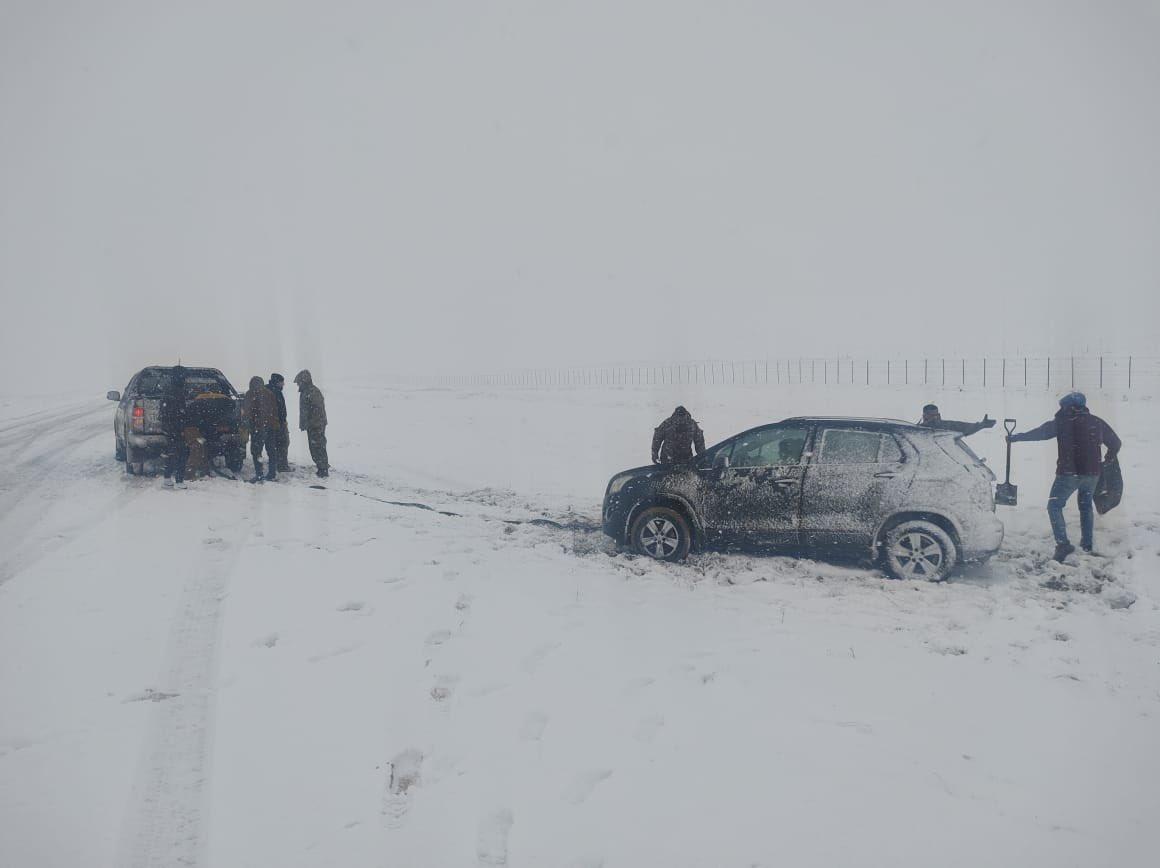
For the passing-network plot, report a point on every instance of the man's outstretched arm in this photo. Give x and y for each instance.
(1046, 431)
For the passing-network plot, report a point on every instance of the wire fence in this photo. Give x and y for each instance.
(1046, 373)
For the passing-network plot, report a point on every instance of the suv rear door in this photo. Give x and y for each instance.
(855, 478)
(752, 492)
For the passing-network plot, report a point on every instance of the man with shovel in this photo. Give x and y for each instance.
(1078, 435)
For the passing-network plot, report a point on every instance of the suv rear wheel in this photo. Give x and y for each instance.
(918, 549)
(119, 451)
(662, 534)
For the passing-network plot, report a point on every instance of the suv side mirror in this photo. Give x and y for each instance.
(113, 396)
(721, 461)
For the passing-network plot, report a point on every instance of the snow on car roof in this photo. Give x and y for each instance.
(854, 420)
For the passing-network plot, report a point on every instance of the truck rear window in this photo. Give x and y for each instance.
(157, 381)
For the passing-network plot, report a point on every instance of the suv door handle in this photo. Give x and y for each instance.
(785, 483)
(886, 475)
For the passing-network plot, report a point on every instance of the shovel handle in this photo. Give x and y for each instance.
(1009, 426)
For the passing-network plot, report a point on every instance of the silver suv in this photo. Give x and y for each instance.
(918, 500)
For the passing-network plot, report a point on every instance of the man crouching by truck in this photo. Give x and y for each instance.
(260, 414)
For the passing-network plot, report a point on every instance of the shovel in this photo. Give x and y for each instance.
(1007, 494)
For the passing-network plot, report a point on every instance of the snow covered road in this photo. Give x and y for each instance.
(245, 675)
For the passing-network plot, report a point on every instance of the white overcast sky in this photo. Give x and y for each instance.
(386, 186)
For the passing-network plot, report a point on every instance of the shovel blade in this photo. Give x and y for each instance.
(1006, 494)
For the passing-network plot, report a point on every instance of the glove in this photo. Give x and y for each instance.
(1110, 459)
(988, 422)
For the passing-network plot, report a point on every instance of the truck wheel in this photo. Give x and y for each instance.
(919, 550)
(662, 534)
(130, 460)
(119, 451)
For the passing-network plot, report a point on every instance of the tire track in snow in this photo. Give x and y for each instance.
(165, 821)
(31, 486)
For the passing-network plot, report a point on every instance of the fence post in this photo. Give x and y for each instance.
(944, 367)
(1004, 382)
(984, 372)
(1073, 372)
(1049, 372)
(925, 366)
(1101, 372)
(906, 372)
(888, 372)
(1025, 372)
(964, 372)
(1129, 372)
(867, 372)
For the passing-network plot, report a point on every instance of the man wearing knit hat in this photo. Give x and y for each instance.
(1078, 435)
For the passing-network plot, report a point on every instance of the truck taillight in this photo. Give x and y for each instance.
(138, 417)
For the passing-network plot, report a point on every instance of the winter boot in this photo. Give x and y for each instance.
(168, 482)
(180, 485)
(322, 473)
(1062, 550)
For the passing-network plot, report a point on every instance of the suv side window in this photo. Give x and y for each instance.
(771, 447)
(849, 446)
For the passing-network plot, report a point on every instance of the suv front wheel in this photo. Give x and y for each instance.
(919, 550)
(662, 534)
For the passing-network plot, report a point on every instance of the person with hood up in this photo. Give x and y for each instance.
(174, 418)
(931, 418)
(312, 420)
(282, 435)
(675, 438)
(1078, 435)
(260, 414)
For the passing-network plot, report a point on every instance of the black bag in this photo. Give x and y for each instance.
(1110, 488)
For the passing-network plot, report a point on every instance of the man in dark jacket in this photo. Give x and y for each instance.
(282, 435)
(260, 413)
(674, 439)
(174, 417)
(931, 418)
(312, 420)
(1078, 436)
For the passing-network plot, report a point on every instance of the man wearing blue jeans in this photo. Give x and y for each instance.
(1078, 435)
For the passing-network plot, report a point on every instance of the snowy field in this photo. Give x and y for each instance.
(276, 675)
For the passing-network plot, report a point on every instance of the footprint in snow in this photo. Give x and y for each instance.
(403, 776)
(151, 695)
(438, 637)
(267, 641)
(352, 606)
(582, 786)
(444, 687)
(463, 604)
(491, 843)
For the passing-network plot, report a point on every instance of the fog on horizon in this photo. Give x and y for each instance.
(368, 188)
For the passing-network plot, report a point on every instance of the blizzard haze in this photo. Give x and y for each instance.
(357, 186)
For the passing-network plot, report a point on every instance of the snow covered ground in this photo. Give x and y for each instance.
(277, 675)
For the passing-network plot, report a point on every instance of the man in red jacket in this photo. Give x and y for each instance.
(1078, 435)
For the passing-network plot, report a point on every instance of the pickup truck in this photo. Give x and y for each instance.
(212, 405)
